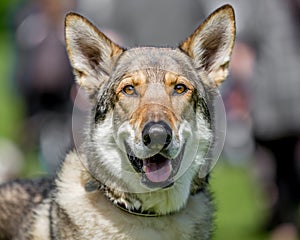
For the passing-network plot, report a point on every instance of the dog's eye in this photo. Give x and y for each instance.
(180, 88)
(129, 90)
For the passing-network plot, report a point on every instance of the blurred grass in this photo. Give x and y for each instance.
(10, 104)
(238, 214)
(11, 107)
(238, 202)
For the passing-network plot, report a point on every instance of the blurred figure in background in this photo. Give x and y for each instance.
(270, 32)
(145, 22)
(239, 144)
(44, 77)
(276, 111)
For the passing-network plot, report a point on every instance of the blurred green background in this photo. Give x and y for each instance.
(10, 106)
(239, 202)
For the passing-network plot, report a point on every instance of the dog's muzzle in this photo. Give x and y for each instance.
(159, 169)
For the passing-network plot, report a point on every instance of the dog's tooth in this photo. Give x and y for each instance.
(123, 202)
(137, 204)
(144, 168)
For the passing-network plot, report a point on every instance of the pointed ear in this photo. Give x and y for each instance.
(91, 53)
(210, 46)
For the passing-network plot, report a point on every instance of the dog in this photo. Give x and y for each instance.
(141, 172)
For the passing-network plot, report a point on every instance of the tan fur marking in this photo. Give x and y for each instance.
(171, 79)
(220, 75)
(159, 107)
(152, 112)
(136, 79)
(116, 50)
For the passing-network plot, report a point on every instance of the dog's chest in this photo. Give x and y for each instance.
(127, 226)
(108, 222)
(90, 215)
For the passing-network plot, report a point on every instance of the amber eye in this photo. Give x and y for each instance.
(180, 88)
(129, 90)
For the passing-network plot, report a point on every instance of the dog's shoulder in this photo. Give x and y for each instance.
(18, 199)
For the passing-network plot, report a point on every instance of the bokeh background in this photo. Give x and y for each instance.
(255, 183)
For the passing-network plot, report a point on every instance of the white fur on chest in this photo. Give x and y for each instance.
(96, 217)
(105, 221)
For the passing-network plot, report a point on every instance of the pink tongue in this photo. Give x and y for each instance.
(157, 172)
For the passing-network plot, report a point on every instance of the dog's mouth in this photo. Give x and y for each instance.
(157, 171)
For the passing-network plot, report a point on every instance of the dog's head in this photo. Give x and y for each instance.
(150, 116)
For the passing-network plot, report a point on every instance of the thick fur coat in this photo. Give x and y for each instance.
(141, 172)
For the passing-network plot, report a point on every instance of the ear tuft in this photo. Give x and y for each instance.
(210, 46)
(91, 53)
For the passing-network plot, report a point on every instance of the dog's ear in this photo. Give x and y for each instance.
(91, 53)
(210, 46)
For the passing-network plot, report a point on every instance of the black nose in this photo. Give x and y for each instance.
(157, 135)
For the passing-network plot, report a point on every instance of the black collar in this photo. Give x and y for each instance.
(138, 212)
(115, 198)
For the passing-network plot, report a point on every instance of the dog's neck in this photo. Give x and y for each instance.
(132, 203)
(124, 201)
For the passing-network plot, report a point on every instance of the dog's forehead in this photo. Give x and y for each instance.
(167, 59)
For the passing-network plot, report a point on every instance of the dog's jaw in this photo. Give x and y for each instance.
(148, 204)
(170, 200)
(158, 171)
(158, 202)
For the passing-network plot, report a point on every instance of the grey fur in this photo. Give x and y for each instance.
(91, 198)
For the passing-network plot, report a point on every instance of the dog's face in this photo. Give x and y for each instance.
(150, 124)
(157, 118)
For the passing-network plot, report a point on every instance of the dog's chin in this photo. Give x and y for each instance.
(158, 171)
